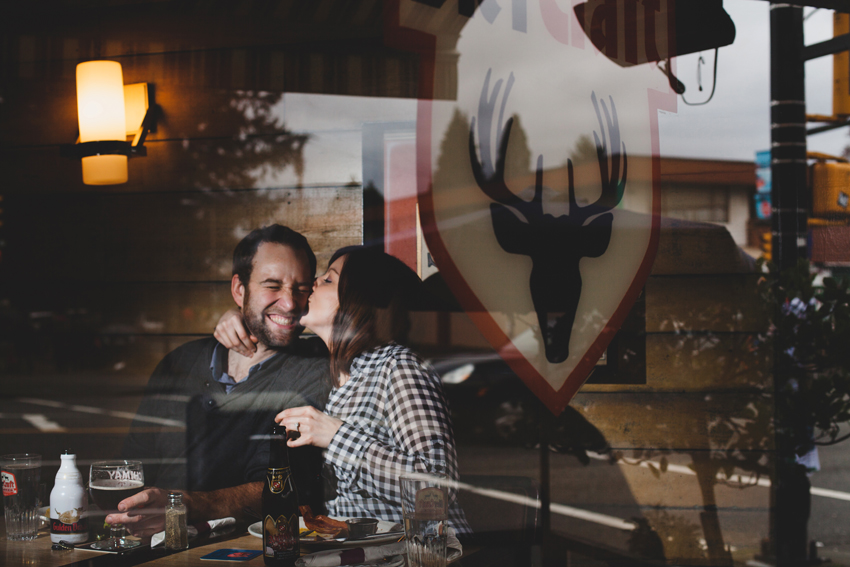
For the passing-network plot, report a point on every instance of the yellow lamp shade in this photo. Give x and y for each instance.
(100, 101)
(100, 109)
(105, 170)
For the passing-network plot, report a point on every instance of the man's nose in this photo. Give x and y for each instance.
(286, 300)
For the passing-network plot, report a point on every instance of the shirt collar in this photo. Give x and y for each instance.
(218, 367)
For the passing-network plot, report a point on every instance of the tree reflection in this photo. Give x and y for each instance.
(584, 151)
(259, 146)
(739, 435)
(809, 331)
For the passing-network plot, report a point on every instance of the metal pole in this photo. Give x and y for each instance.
(788, 135)
(790, 513)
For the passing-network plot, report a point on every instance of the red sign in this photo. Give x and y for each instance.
(526, 192)
(10, 485)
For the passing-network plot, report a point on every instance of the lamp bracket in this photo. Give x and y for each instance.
(109, 147)
(141, 121)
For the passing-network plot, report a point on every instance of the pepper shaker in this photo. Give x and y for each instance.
(176, 531)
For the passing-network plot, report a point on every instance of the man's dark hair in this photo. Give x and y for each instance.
(243, 256)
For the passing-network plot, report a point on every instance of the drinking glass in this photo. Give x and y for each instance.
(21, 474)
(424, 502)
(110, 482)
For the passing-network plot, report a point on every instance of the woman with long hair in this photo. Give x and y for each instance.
(386, 414)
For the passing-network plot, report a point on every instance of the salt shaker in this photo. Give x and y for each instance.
(176, 532)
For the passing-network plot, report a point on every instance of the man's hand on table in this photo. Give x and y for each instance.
(142, 514)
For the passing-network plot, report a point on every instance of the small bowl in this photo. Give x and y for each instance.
(361, 527)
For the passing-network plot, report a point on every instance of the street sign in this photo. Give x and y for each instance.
(763, 185)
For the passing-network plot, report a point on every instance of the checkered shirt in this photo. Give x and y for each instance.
(395, 420)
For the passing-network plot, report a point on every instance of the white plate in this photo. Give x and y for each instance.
(256, 530)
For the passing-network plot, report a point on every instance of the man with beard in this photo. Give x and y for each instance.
(228, 401)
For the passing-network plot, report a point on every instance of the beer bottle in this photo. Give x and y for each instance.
(280, 505)
(68, 503)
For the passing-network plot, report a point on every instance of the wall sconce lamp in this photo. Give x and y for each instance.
(108, 111)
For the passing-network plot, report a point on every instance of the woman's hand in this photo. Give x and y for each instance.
(230, 331)
(316, 428)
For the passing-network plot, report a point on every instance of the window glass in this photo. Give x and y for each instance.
(591, 213)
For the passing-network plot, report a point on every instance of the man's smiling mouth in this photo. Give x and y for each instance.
(282, 320)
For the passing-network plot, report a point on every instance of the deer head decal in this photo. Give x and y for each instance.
(555, 244)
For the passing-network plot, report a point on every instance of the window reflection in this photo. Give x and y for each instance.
(311, 116)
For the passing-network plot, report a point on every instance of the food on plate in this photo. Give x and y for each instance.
(324, 526)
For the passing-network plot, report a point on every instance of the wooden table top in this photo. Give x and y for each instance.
(193, 555)
(38, 553)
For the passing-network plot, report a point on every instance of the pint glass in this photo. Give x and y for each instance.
(424, 502)
(21, 475)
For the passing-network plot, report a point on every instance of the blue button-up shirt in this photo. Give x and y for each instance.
(218, 367)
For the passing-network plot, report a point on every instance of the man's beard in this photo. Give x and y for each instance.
(257, 325)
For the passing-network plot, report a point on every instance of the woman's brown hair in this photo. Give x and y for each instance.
(375, 291)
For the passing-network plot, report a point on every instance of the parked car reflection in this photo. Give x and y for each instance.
(491, 405)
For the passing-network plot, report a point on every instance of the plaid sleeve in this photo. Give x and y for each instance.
(395, 420)
(415, 416)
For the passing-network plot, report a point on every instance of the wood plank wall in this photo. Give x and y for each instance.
(117, 276)
(706, 407)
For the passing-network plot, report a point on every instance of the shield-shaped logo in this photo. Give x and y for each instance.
(532, 203)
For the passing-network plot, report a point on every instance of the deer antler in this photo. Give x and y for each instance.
(492, 180)
(612, 187)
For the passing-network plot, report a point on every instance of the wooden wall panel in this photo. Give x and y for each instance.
(173, 236)
(215, 164)
(158, 308)
(701, 362)
(686, 247)
(723, 303)
(681, 422)
(48, 113)
(203, 164)
(205, 93)
(677, 489)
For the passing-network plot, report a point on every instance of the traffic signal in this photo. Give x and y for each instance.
(766, 245)
(841, 68)
(830, 189)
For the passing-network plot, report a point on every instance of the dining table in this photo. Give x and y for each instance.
(39, 552)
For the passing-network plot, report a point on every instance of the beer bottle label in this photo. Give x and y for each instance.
(431, 504)
(277, 479)
(10, 485)
(280, 537)
(69, 522)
